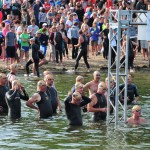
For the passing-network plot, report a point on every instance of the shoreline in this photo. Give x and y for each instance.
(96, 63)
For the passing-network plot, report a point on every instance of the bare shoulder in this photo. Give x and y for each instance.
(92, 96)
(36, 97)
(130, 120)
(143, 120)
(94, 99)
(88, 84)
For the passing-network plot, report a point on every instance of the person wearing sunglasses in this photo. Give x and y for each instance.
(136, 118)
(98, 104)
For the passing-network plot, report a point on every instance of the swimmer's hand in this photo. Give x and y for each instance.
(1, 109)
(128, 98)
(103, 109)
(22, 88)
(134, 102)
(17, 87)
(59, 111)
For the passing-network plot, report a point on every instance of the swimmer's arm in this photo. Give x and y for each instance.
(59, 104)
(24, 96)
(86, 86)
(136, 99)
(35, 98)
(85, 101)
(12, 78)
(90, 107)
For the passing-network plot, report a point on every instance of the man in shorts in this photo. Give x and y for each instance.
(10, 43)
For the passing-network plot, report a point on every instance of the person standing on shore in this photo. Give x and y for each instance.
(82, 43)
(35, 57)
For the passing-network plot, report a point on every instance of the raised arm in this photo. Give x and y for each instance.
(24, 96)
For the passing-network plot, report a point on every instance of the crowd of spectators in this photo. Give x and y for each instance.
(64, 26)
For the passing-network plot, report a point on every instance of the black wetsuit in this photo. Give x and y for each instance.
(101, 103)
(131, 92)
(53, 97)
(45, 105)
(82, 53)
(35, 57)
(3, 90)
(14, 104)
(73, 111)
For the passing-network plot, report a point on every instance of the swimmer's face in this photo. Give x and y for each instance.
(129, 80)
(43, 87)
(111, 83)
(102, 90)
(80, 89)
(49, 81)
(3, 80)
(78, 102)
(97, 76)
(136, 113)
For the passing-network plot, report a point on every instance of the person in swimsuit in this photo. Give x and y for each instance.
(136, 118)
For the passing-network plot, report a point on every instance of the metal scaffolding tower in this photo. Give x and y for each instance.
(120, 21)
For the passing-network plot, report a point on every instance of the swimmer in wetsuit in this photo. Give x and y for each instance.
(73, 109)
(13, 97)
(98, 104)
(43, 101)
(52, 93)
(35, 57)
(3, 90)
(132, 92)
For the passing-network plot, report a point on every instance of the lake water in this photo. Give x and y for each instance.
(32, 133)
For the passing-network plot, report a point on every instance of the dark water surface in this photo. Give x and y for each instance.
(32, 133)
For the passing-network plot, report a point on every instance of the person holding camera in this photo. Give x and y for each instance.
(13, 97)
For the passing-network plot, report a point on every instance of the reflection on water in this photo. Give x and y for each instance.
(32, 133)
